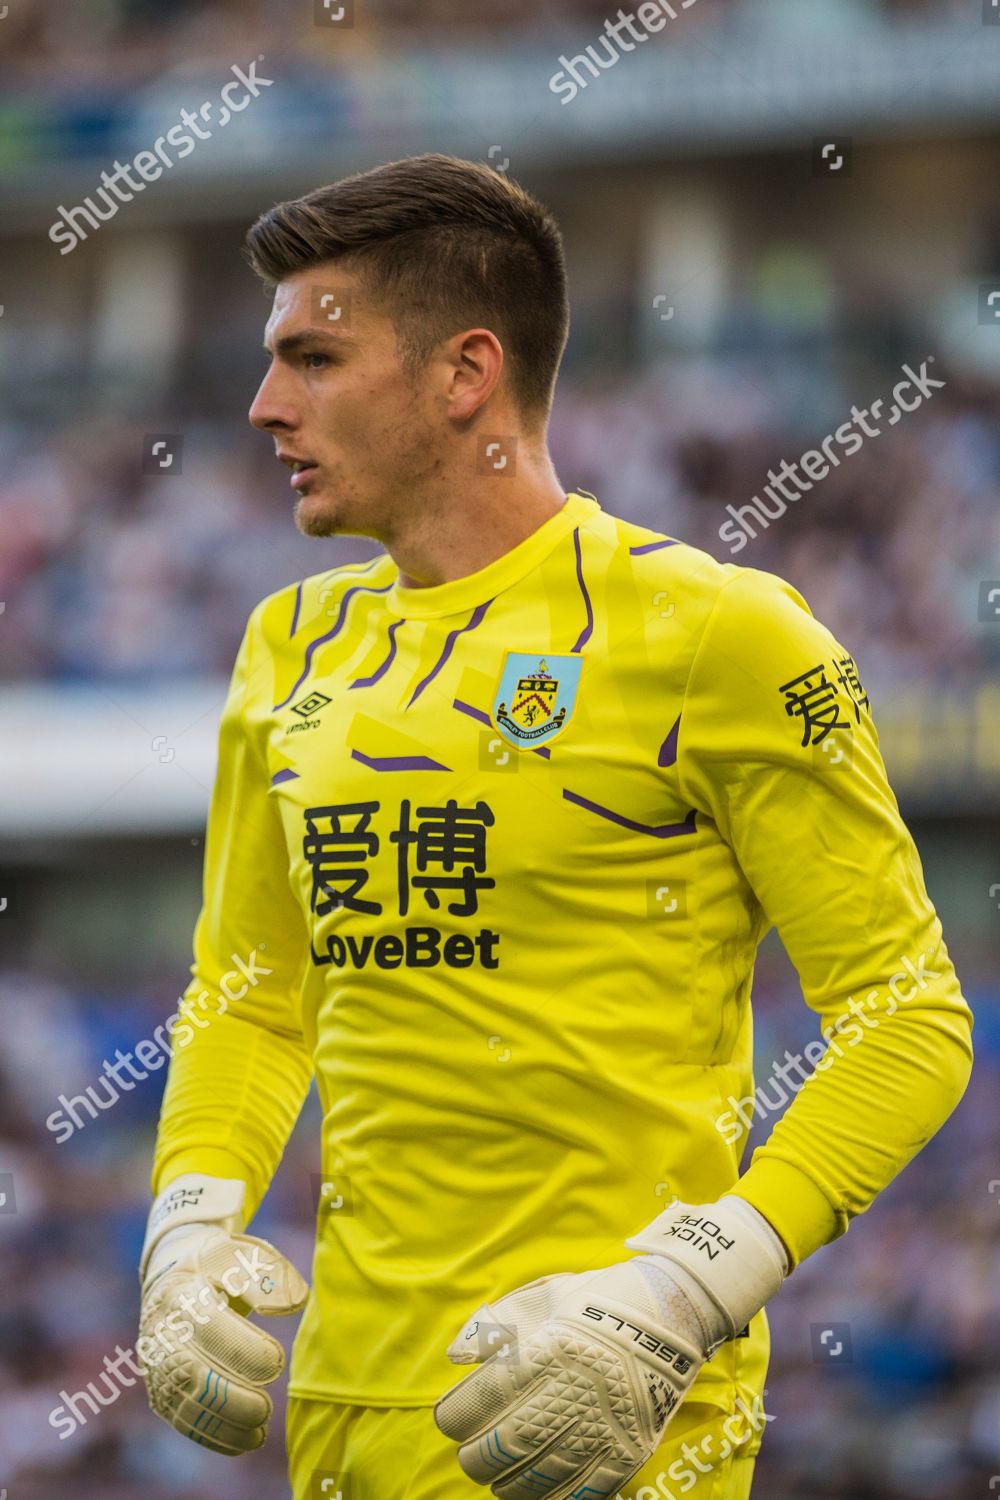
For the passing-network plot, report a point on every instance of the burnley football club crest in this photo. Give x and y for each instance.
(535, 697)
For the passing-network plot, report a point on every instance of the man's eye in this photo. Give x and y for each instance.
(315, 361)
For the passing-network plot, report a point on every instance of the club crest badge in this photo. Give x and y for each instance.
(535, 697)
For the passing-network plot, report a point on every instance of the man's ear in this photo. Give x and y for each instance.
(476, 361)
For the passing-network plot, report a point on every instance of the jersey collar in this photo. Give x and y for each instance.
(459, 594)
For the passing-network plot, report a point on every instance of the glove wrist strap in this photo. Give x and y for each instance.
(193, 1198)
(727, 1247)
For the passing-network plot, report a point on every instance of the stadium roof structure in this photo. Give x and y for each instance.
(699, 91)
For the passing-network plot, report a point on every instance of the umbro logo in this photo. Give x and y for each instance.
(311, 705)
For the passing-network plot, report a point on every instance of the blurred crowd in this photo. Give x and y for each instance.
(58, 41)
(112, 574)
(908, 1411)
(71, 1244)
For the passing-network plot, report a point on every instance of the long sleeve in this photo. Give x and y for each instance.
(239, 1070)
(779, 749)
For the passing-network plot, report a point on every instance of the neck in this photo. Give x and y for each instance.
(465, 524)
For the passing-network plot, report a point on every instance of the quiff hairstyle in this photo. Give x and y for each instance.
(439, 245)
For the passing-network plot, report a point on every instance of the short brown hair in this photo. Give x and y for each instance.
(440, 244)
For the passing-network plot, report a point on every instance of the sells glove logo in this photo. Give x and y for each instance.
(642, 1337)
(533, 703)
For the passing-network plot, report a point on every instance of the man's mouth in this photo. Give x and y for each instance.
(303, 469)
(303, 474)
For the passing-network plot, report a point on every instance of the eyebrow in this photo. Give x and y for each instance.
(290, 342)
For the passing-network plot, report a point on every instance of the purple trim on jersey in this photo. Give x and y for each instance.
(588, 629)
(280, 776)
(474, 713)
(657, 831)
(668, 750)
(321, 640)
(476, 618)
(371, 681)
(653, 546)
(295, 612)
(298, 598)
(399, 762)
(477, 713)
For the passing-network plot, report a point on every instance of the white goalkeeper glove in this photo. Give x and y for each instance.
(583, 1372)
(204, 1364)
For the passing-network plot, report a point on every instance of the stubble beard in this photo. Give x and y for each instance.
(316, 519)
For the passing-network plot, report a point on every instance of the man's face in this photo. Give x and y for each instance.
(336, 399)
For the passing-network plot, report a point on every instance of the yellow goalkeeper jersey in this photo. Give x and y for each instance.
(495, 857)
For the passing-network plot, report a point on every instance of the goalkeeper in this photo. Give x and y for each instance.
(500, 819)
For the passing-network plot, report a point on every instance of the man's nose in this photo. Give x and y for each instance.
(271, 407)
